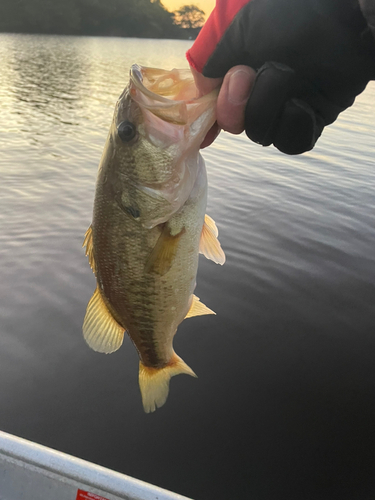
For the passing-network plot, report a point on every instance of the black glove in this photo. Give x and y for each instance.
(313, 57)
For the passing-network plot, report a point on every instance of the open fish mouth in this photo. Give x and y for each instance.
(169, 95)
(163, 93)
(162, 85)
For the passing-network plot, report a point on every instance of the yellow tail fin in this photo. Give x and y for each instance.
(154, 382)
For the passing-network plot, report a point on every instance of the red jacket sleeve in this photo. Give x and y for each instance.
(212, 32)
(222, 27)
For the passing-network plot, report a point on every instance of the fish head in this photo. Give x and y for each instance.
(159, 124)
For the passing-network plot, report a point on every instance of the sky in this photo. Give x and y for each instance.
(206, 5)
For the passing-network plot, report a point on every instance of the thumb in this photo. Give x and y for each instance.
(204, 84)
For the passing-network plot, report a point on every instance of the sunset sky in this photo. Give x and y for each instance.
(206, 5)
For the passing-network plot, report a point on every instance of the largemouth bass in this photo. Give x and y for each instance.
(149, 224)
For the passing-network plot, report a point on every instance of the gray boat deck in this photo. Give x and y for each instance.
(29, 471)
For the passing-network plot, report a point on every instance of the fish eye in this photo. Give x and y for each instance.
(126, 131)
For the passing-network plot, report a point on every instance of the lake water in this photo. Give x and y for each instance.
(284, 406)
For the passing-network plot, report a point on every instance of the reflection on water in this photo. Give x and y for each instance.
(284, 403)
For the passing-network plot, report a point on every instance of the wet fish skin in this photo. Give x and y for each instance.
(144, 241)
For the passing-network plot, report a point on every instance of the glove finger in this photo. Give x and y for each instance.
(274, 115)
(298, 128)
(264, 107)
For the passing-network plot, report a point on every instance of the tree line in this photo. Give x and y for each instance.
(128, 18)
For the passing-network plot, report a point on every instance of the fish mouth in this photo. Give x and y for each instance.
(159, 91)
(176, 85)
(136, 78)
(169, 95)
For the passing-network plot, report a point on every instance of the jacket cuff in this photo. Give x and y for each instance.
(213, 31)
(368, 10)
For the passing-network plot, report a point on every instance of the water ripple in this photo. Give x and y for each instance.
(295, 300)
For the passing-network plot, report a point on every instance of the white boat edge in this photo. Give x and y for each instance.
(30, 471)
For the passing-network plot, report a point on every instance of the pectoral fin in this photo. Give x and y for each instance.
(161, 258)
(100, 330)
(197, 308)
(87, 242)
(209, 245)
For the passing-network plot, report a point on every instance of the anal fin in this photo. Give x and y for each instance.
(209, 245)
(197, 308)
(100, 330)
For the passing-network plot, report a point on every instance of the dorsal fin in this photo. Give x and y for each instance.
(209, 245)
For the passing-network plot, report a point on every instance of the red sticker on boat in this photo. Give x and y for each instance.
(85, 495)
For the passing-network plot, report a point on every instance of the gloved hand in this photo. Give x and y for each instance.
(312, 58)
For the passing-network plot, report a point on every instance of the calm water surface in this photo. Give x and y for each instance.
(284, 406)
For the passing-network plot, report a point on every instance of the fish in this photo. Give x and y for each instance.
(149, 224)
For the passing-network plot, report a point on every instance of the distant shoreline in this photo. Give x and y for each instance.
(110, 18)
(186, 38)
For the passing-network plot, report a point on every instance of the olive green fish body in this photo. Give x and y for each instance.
(149, 224)
(149, 306)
